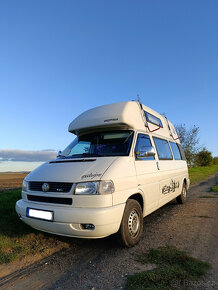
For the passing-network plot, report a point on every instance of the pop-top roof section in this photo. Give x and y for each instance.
(123, 114)
(126, 115)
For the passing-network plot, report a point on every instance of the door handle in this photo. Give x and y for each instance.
(157, 163)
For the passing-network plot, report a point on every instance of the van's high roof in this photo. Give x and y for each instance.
(123, 115)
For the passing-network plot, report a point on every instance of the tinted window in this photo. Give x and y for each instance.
(176, 152)
(153, 119)
(142, 142)
(163, 148)
(112, 143)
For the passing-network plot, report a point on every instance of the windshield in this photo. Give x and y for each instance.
(110, 143)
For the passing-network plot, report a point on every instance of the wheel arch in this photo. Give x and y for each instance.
(138, 197)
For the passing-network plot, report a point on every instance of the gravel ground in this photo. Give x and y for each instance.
(101, 264)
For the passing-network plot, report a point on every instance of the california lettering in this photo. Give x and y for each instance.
(91, 175)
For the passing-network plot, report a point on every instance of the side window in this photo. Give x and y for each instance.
(163, 149)
(175, 149)
(143, 141)
(182, 152)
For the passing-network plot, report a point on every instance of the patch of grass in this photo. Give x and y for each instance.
(16, 238)
(174, 267)
(197, 174)
(204, 216)
(207, 196)
(214, 188)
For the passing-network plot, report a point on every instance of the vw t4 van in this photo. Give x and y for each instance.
(125, 162)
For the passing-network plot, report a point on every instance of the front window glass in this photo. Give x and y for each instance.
(143, 141)
(110, 143)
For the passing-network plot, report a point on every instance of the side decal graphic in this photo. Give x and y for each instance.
(171, 187)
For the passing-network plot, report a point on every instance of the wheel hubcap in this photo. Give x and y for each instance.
(133, 223)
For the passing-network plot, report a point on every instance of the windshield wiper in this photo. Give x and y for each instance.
(90, 154)
(80, 155)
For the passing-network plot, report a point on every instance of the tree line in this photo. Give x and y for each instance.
(196, 155)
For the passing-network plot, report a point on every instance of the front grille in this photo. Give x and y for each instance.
(50, 199)
(53, 186)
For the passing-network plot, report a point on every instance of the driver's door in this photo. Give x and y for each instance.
(147, 174)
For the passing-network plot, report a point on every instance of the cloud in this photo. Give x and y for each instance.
(26, 155)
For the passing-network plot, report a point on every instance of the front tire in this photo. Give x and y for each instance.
(181, 199)
(131, 225)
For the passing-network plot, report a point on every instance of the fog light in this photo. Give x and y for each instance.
(88, 227)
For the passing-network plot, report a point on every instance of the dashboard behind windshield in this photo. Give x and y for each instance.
(110, 143)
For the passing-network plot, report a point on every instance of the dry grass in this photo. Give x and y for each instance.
(11, 180)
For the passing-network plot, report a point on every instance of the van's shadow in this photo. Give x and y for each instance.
(110, 242)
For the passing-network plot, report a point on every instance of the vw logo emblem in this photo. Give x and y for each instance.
(45, 187)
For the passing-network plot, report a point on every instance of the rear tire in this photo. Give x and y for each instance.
(181, 199)
(131, 225)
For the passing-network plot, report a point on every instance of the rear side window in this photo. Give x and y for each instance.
(163, 149)
(143, 141)
(182, 152)
(175, 149)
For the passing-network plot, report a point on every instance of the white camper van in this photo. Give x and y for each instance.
(125, 162)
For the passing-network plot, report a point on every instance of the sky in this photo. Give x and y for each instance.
(60, 58)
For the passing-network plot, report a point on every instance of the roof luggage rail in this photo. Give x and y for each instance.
(142, 111)
(168, 125)
(143, 116)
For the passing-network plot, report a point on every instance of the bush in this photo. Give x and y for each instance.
(203, 158)
(215, 160)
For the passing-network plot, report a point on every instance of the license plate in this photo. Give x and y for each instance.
(40, 214)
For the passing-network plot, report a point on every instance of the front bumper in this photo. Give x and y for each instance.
(68, 220)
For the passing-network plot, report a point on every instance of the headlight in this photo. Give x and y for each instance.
(97, 187)
(86, 188)
(25, 185)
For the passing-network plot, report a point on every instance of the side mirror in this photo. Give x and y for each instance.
(145, 152)
(59, 153)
